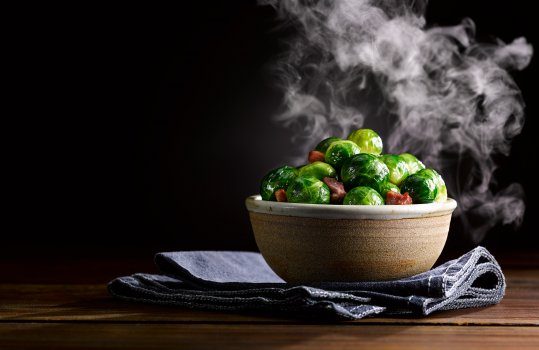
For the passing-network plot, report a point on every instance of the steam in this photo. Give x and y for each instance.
(449, 99)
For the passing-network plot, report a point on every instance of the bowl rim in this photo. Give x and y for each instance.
(255, 204)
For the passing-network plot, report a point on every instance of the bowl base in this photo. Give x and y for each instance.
(302, 249)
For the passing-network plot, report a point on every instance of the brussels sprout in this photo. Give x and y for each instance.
(441, 196)
(364, 169)
(276, 179)
(319, 170)
(339, 151)
(363, 195)
(398, 168)
(308, 189)
(422, 186)
(325, 143)
(414, 164)
(367, 140)
(388, 186)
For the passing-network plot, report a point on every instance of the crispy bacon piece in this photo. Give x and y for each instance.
(280, 195)
(397, 198)
(316, 156)
(336, 188)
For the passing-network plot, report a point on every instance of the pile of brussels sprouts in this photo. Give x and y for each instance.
(354, 172)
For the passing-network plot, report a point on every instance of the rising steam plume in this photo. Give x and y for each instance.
(447, 98)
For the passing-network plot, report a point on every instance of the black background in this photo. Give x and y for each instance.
(130, 130)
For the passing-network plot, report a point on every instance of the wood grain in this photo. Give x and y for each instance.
(233, 336)
(84, 316)
(55, 303)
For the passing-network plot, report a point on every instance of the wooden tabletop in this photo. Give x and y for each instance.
(84, 316)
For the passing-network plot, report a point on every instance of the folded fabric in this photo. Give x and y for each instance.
(242, 281)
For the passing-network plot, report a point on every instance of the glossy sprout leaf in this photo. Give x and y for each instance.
(308, 189)
(398, 168)
(363, 195)
(325, 143)
(414, 164)
(319, 170)
(277, 179)
(364, 169)
(441, 196)
(367, 140)
(388, 186)
(339, 151)
(421, 186)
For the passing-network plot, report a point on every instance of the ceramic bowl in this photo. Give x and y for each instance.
(345, 243)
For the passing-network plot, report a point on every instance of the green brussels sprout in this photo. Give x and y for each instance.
(367, 140)
(414, 164)
(441, 196)
(339, 151)
(422, 186)
(363, 195)
(325, 143)
(398, 168)
(277, 179)
(388, 186)
(364, 169)
(308, 189)
(319, 170)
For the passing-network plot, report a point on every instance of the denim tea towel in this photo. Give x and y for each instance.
(242, 281)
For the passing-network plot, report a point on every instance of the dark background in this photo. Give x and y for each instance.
(130, 130)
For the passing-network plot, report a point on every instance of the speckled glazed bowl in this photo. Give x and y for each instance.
(318, 242)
